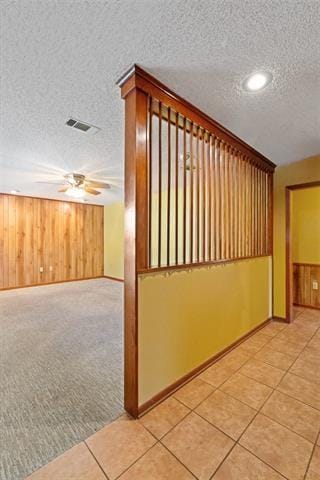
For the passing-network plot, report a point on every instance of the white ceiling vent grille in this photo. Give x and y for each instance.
(82, 126)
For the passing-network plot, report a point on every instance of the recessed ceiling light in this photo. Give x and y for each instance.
(14, 192)
(257, 81)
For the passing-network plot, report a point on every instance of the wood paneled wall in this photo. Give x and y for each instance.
(304, 274)
(63, 238)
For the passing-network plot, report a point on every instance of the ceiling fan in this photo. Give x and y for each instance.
(77, 185)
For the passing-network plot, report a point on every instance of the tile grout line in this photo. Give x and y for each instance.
(260, 411)
(95, 458)
(311, 456)
(236, 442)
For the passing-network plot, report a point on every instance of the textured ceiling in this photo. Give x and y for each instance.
(61, 58)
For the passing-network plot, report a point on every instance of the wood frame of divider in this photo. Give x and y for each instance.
(139, 89)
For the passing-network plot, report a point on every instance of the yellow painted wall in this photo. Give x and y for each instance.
(114, 240)
(304, 171)
(306, 225)
(187, 316)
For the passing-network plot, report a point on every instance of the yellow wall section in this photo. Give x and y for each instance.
(304, 171)
(306, 225)
(187, 316)
(114, 240)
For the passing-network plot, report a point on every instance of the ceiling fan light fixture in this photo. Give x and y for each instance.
(75, 192)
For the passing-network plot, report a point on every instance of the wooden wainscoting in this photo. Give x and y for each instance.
(304, 274)
(65, 239)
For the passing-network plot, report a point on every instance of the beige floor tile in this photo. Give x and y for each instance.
(76, 464)
(242, 465)
(198, 445)
(164, 417)
(254, 343)
(273, 328)
(234, 360)
(274, 358)
(247, 390)
(301, 389)
(293, 414)
(226, 413)
(120, 444)
(293, 337)
(306, 369)
(284, 346)
(262, 372)
(285, 451)
(193, 393)
(301, 330)
(311, 354)
(157, 464)
(314, 468)
(216, 374)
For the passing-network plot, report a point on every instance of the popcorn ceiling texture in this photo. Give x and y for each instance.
(62, 58)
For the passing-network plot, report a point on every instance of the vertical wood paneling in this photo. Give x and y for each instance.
(64, 238)
(303, 277)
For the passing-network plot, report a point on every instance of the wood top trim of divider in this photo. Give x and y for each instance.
(187, 266)
(136, 77)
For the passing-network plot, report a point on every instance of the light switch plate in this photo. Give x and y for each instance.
(315, 285)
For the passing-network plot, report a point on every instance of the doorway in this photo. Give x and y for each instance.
(302, 255)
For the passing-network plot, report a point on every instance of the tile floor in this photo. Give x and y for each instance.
(254, 415)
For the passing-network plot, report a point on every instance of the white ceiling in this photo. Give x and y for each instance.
(62, 58)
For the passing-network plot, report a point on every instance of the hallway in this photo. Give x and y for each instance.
(255, 414)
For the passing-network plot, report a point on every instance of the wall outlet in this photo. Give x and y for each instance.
(41, 269)
(51, 268)
(315, 285)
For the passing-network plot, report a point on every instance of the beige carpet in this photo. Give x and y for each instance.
(61, 364)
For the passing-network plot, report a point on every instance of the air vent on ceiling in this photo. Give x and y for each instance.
(82, 126)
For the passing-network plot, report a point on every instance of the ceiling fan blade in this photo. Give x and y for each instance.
(64, 188)
(93, 183)
(58, 182)
(92, 191)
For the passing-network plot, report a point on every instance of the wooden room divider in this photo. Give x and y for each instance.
(195, 194)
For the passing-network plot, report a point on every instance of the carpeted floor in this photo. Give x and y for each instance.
(61, 369)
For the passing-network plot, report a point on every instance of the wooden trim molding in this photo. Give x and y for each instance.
(161, 396)
(288, 247)
(301, 264)
(189, 266)
(115, 279)
(50, 283)
(137, 78)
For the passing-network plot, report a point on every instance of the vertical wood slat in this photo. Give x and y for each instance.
(150, 175)
(210, 221)
(184, 249)
(191, 192)
(218, 200)
(197, 202)
(203, 198)
(160, 186)
(177, 190)
(169, 187)
(225, 197)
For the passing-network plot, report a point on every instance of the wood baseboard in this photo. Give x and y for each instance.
(314, 307)
(279, 319)
(161, 396)
(50, 283)
(113, 278)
